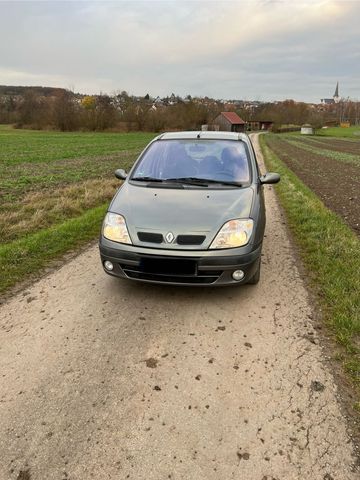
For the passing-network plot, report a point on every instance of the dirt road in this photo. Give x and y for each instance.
(106, 379)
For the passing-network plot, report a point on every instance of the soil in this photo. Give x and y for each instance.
(335, 182)
(337, 145)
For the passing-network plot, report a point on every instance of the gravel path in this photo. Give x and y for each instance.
(105, 379)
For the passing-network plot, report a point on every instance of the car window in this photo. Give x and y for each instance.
(223, 160)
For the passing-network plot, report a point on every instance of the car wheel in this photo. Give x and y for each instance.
(256, 277)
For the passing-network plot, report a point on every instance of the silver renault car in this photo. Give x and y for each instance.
(190, 212)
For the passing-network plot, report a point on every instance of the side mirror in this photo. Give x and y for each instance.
(269, 177)
(120, 174)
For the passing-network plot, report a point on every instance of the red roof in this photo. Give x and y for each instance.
(233, 118)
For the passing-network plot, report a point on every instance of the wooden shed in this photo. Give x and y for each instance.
(260, 124)
(229, 122)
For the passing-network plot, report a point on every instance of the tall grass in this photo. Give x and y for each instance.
(33, 252)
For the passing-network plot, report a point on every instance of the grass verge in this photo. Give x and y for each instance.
(33, 252)
(331, 255)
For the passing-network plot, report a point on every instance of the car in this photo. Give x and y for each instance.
(190, 212)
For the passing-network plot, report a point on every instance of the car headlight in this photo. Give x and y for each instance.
(114, 228)
(235, 233)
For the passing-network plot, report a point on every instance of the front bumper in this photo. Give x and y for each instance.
(180, 267)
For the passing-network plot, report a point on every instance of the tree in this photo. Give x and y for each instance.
(28, 108)
(8, 112)
(89, 102)
(65, 111)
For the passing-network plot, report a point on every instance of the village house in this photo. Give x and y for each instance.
(229, 122)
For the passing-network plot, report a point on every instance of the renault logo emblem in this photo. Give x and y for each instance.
(169, 237)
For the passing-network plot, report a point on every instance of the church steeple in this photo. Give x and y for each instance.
(336, 94)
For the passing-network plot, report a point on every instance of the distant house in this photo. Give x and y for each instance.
(327, 101)
(158, 101)
(229, 122)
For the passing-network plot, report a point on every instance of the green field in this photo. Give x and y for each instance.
(351, 132)
(31, 146)
(54, 190)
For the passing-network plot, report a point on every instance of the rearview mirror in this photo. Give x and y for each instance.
(270, 177)
(120, 174)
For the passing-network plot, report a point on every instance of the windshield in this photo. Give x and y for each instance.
(215, 160)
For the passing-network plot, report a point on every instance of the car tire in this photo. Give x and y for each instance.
(254, 280)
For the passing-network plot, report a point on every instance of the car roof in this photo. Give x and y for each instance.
(203, 135)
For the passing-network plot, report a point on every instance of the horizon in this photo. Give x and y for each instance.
(130, 94)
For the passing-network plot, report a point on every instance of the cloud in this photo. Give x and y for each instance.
(228, 49)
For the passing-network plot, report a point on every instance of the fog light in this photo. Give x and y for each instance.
(108, 265)
(238, 275)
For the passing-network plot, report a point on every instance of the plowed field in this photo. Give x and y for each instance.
(330, 167)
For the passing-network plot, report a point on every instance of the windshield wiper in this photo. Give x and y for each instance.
(147, 179)
(202, 181)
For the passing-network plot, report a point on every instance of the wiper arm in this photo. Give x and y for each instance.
(187, 180)
(222, 182)
(202, 181)
(147, 179)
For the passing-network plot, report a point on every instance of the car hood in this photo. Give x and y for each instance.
(181, 211)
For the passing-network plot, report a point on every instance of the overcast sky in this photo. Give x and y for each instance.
(253, 49)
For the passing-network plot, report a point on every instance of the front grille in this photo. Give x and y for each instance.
(150, 237)
(190, 239)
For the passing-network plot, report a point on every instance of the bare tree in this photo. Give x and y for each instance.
(65, 111)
